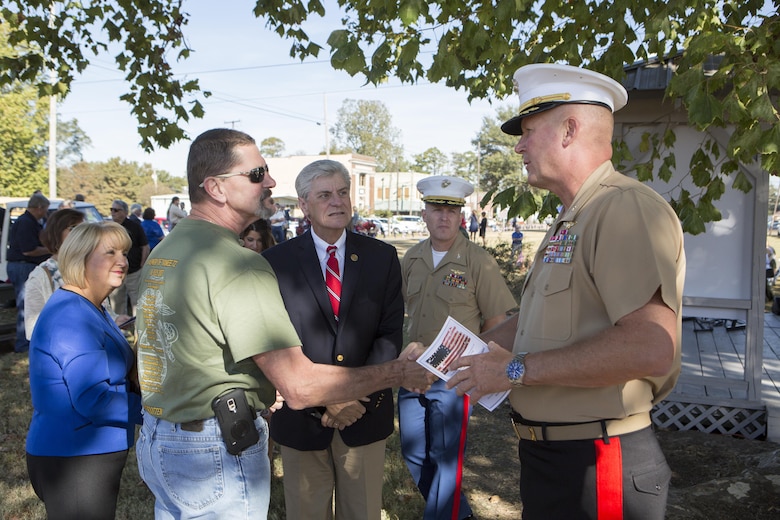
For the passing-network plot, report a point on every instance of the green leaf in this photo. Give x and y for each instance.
(667, 168)
(408, 12)
(742, 183)
(692, 221)
(550, 203)
(526, 204)
(644, 171)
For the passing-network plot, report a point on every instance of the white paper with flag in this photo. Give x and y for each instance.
(453, 341)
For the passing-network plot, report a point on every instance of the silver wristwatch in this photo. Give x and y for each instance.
(515, 370)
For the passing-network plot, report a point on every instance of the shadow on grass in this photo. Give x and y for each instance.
(489, 478)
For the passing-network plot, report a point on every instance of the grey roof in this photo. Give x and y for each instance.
(656, 75)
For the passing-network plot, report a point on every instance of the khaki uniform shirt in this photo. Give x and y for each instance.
(467, 285)
(602, 259)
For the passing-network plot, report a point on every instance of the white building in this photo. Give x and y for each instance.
(371, 190)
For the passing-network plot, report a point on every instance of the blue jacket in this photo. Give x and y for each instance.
(79, 361)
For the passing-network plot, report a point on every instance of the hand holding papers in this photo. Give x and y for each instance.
(452, 342)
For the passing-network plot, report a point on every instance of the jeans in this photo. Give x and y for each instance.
(279, 234)
(192, 475)
(18, 273)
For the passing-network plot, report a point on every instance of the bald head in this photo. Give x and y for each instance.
(588, 130)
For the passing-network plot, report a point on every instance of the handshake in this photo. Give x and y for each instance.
(414, 377)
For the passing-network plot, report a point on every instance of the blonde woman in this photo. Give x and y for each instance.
(85, 407)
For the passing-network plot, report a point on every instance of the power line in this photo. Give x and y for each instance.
(199, 72)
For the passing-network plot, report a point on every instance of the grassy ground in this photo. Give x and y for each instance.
(489, 478)
(490, 475)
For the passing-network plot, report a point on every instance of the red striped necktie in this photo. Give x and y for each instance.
(333, 280)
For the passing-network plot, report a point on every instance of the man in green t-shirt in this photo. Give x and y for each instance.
(210, 320)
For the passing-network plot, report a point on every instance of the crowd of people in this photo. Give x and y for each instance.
(244, 336)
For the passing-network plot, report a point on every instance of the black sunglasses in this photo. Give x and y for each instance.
(256, 175)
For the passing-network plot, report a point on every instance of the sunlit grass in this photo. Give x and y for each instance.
(490, 476)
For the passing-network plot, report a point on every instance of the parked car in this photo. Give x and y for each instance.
(11, 210)
(407, 224)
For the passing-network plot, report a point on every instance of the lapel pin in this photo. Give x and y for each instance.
(353, 257)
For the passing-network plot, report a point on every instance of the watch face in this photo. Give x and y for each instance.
(514, 370)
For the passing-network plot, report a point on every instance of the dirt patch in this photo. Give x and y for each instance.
(713, 476)
(716, 476)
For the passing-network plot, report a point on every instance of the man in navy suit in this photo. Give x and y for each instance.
(339, 447)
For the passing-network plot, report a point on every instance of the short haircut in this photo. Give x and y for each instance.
(57, 223)
(212, 153)
(38, 201)
(82, 242)
(317, 169)
(149, 214)
(122, 204)
(135, 207)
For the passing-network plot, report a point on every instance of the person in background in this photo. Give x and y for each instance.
(483, 229)
(337, 452)
(67, 204)
(154, 233)
(303, 226)
(125, 297)
(597, 340)
(212, 320)
(79, 197)
(25, 251)
(257, 236)
(136, 213)
(85, 405)
(517, 246)
(175, 213)
(444, 275)
(46, 277)
(473, 225)
(278, 220)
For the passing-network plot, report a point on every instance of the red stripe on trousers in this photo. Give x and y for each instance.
(464, 425)
(609, 479)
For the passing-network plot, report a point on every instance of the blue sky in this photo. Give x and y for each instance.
(259, 89)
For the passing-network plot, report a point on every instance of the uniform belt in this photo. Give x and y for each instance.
(603, 429)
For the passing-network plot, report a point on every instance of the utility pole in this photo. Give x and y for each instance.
(327, 136)
(233, 123)
(52, 122)
(476, 184)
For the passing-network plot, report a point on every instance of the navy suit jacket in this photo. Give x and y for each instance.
(369, 330)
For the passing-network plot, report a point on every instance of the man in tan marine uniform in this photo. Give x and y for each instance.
(597, 340)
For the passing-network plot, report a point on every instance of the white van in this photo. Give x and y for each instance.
(11, 208)
(407, 224)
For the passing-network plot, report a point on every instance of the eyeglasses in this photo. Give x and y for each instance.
(256, 175)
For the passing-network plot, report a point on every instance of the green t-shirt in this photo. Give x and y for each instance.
(206, 305)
